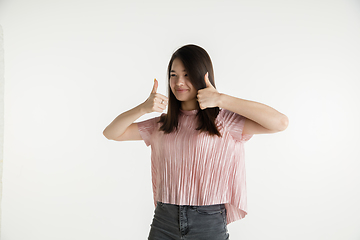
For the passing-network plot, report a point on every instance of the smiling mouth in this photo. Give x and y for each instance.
(180, 91)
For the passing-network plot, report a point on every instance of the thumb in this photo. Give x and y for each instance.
(154, 89)
(207, 81)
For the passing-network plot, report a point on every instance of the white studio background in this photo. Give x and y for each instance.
(72, 66)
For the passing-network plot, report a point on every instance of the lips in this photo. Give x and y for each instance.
(181, 90)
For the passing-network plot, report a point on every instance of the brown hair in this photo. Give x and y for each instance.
(196, 62)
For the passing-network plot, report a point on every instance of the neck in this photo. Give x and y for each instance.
(188, 106)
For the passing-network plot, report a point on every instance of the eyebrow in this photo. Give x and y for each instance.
(174, 70)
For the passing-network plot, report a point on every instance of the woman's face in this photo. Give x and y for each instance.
(181, 86)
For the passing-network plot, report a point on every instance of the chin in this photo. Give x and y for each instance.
(183, 99)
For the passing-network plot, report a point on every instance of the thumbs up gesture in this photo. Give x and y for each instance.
(208, 97)
(156, 102)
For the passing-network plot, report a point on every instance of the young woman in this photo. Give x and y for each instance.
(197, 148)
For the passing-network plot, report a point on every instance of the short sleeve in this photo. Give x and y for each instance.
(234, 123)
(146, 129)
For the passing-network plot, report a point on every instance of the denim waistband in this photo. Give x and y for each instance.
(214, 206)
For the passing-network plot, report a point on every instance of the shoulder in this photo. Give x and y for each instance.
(227, 115)
(149, 123)
(230, 119)
(224, 111)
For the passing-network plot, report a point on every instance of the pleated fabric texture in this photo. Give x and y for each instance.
(193, 168)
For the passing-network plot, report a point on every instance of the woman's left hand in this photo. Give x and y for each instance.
(209, 96)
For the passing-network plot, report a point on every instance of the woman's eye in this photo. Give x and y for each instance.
(174, 75)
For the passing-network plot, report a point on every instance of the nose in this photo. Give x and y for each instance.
(180, 81)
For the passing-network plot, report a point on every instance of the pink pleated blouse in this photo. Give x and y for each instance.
(193, 168)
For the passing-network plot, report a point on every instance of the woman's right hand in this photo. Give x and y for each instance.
(153, 103)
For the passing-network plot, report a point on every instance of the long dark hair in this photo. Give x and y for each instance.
(196, 62)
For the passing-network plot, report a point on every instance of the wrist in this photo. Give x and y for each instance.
(220, 102)
(142, 108)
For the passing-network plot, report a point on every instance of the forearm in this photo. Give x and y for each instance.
(266, 116)
(119, 125)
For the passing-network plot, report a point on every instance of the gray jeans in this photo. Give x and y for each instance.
(173, 222)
